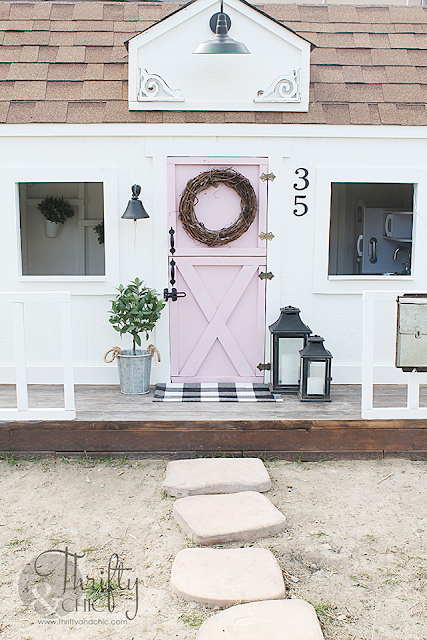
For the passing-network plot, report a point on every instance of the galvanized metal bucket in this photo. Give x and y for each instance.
(134, 371)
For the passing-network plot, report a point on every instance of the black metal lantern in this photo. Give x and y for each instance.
(221, 43)
(315, 383)
(288, 337)
(135, 209)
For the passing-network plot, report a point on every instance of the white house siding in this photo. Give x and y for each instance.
(130, 154)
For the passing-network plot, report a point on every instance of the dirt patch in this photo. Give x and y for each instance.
(354, 546)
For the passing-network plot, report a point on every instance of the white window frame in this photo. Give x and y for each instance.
(11, 236)
(356, 284)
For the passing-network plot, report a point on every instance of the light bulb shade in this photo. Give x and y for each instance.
(135, 209)
(221, 43)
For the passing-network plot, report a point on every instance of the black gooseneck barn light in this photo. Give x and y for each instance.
(221, 43)
(135, 209)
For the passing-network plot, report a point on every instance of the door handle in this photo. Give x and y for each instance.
(358, 249)
(174, 294)
(172, 240)
(389, 225)
(373, 246)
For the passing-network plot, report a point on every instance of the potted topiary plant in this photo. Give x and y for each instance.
(56, 211)
(135, 310)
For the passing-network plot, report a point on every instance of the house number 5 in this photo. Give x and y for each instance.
(302, 175)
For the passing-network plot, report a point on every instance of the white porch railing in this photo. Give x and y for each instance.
(22, 410)
(412, 380)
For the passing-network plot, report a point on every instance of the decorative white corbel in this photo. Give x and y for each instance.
(152, 88)
(284, 89)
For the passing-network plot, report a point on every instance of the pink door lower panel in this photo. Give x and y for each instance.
(217, 330)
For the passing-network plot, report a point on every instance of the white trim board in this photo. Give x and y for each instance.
(238, 130)
(108, 375)
(102, 375)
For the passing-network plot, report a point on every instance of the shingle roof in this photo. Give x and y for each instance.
(66, 62)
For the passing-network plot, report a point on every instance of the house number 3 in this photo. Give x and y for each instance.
(302, 175)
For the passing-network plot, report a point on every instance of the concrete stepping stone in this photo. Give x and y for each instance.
(226, 576)
(273, 619)
(215, 475)
(233, 517)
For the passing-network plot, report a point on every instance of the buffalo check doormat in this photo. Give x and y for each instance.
(214, 392)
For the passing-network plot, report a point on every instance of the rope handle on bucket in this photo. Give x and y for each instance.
(153, 350)
(116, 351)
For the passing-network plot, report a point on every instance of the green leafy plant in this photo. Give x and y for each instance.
(99, 230)
(56, 209)
(135, 310)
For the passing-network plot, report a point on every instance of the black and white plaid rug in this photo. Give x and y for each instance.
(214, 392)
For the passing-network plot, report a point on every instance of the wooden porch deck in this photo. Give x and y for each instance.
(110, 423)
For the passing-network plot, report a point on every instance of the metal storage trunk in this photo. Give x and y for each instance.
(411, 342)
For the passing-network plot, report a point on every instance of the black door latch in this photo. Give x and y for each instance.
(173, 295)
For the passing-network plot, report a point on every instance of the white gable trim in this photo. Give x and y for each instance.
(198, 84)
(197, 7)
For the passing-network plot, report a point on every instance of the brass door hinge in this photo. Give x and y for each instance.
(266, 236)
(264, 366)
(265, 276)
(267, 176)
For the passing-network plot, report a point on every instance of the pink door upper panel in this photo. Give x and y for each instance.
(217, 207)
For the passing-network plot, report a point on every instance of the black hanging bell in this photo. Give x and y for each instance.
(135, 209)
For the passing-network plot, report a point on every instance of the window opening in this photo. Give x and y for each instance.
(371, 229)
(73, 248)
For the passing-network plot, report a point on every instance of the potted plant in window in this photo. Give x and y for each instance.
(56, 211)
(135, 310)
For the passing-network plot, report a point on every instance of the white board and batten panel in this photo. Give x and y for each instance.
(298, 254)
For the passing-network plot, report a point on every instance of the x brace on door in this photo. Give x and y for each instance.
(217, 319)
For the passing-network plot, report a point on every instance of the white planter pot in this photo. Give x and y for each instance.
(134, 371)
(51, 228)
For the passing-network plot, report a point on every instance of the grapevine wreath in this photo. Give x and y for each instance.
(212, 178)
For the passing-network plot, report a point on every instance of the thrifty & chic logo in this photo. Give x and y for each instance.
(53, 585)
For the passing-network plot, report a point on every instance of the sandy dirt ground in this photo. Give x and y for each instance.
(354, 546)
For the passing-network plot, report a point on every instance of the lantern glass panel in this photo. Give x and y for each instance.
(289, 360)
(316, 376)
